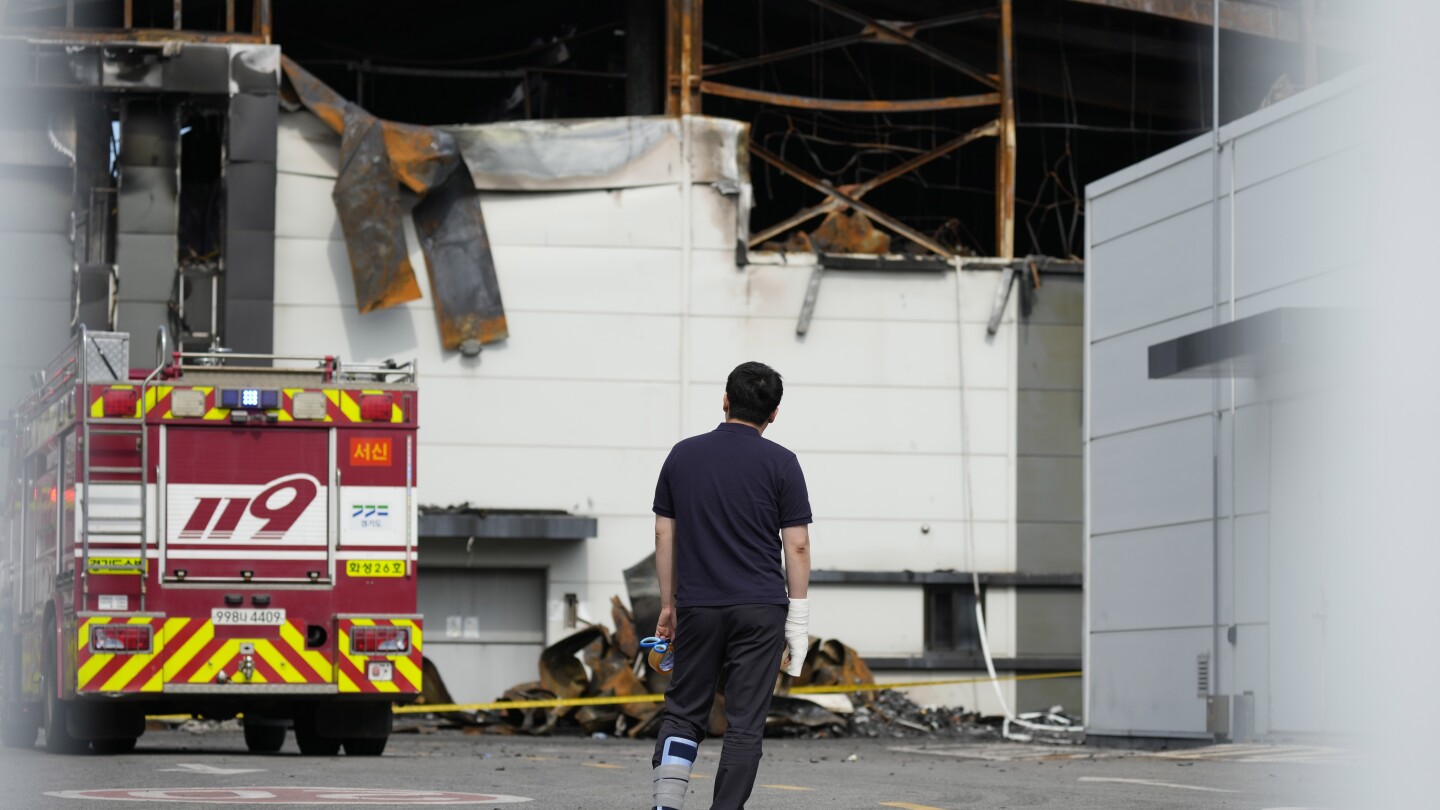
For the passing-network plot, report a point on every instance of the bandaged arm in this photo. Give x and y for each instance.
(797, 578)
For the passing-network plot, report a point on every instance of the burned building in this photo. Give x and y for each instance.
(580, 216)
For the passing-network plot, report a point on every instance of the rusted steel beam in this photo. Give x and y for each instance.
(869, 210)
(847, 105)
(176, 15)
(1005, 157)
(1256, 19)
(900, 34)
(262, 11)
(788, 53)
(229, 16)
(129, 14)
(861, 189)
(683, 41)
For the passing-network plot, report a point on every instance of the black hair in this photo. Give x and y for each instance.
(754, 390)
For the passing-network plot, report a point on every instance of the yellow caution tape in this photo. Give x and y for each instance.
(612, 700)
(615, 700)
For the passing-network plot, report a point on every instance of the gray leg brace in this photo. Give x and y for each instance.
(672, 775)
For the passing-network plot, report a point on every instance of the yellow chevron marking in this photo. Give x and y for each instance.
(216, 414)
(277, 662)
(346, 685)
(396, 415)
(415, 633)
(316, 661)
(220, 658)
(181, 657)
(357, 660)
(349, 407)
(411, 672)
(156, 683)
(385, 686)
(136, 663)
(96, 662)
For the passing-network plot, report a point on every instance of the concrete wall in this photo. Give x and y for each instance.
(1188, 478)
(1049, 483)
(620, 341)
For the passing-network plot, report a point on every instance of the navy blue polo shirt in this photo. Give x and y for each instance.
(730, 492)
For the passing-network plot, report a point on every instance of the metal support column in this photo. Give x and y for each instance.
(1005, 149)
(683, 49)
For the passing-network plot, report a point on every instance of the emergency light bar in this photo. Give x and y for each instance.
(254, 399)
(379, 639)
(120, 638)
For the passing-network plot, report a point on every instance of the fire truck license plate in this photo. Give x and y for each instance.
(242, 616)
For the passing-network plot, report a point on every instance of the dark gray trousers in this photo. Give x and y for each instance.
(744, 642)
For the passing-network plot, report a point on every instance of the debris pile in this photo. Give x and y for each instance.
(614, 666)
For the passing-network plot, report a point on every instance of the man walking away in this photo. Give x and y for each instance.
(728, 505)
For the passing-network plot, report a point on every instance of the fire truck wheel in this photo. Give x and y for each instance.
(312, 744)
(57, 736)
(123, 745)
(370, 747)
(264, 739)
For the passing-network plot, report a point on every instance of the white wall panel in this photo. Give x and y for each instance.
(877, 353)
(873, 420)
(1143, 683)
(589, 279)
(304, 208)
(1159, 272)
(901, 545)
(306, 145)
(314, 272)
(1122, 395)
(713, 220)
(1287, 228)
(585, 481)
(1305, 135)
(482, 412)
(1180, 187)
(848, 612)
(1151, 578)
(1152, 477)
(846, 485)
(541, 345)
(1252, 569)
(632, 217)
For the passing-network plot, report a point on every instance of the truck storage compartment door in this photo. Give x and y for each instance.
(246, 504)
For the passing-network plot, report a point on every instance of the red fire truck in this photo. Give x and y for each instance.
(225, 534)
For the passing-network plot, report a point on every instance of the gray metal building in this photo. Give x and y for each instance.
(1209, 458)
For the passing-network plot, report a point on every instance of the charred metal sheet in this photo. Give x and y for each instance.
(196, 68)
(420, 157)
(451, 228)
(251, 134)
(255, 69)
(367, 200)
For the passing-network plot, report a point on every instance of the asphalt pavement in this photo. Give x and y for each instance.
(184, 770)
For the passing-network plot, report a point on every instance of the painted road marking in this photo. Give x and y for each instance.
(908, 806)
(605, 765)
(195, 767)
(354, 797)
(784, 787)
(1261, 753)
(1153, 783)
(1007, 752)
